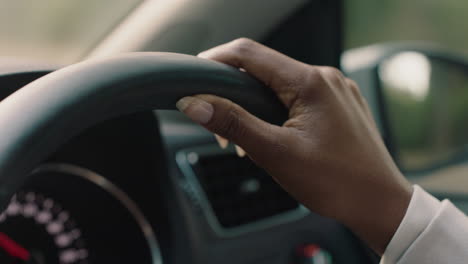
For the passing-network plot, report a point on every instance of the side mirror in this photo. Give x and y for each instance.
(419, 96)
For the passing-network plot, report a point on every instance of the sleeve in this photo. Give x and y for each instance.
(430, 232)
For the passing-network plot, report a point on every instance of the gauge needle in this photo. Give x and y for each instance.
(12, 248)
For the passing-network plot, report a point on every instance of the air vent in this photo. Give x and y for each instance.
(238, 192)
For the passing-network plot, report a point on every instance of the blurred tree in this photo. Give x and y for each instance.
(434, 21)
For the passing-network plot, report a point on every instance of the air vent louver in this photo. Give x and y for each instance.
(238, 191)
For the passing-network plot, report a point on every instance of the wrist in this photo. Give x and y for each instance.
(379, 215)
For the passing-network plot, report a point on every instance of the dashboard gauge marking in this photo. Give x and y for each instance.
(47, 224)
(54, 228)
(13, 209)
(71, 255)
(48, 215)
(43, 217)
(30, 210)
(63, 240)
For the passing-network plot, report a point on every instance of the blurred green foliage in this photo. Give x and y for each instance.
(442, 22)
(433, 130)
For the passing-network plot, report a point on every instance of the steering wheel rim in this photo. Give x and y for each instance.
(37, 119)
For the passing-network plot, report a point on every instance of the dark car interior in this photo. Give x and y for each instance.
(153, 187)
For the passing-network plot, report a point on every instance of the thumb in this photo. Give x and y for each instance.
(261, 140)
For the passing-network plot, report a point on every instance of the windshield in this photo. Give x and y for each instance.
(57, 31)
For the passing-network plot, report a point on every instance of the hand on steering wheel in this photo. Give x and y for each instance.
(328, 154)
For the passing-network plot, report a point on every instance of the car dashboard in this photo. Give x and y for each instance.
(153, 187)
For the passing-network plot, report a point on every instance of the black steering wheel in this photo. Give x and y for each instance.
(37, 119)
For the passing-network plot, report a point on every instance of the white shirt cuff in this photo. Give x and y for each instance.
(421, 210)
(430, 232)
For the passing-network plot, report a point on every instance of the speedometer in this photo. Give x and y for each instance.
(51, 233)
(66, 214)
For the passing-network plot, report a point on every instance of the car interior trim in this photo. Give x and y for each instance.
(184, 161)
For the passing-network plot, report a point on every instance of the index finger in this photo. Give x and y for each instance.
(274, 69)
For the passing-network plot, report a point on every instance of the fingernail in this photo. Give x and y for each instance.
(240, 152)
(196, 109)
(223, 143)
(202, 54)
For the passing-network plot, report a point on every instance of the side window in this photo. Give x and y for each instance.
(438, 22)
(431, 123)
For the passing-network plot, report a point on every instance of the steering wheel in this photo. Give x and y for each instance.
(37, 119)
